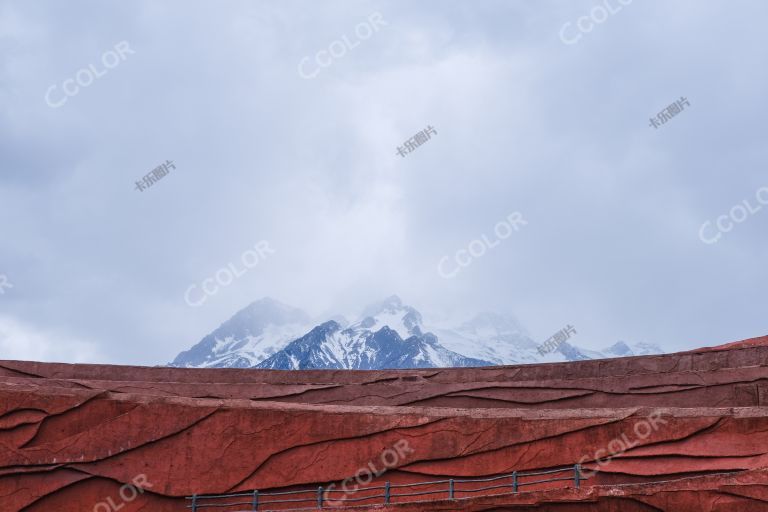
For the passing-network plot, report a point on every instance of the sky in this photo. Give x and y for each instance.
(283, 127)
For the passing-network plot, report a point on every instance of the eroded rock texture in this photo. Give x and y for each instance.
(678, 432)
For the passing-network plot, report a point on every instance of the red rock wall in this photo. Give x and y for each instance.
(74, 437)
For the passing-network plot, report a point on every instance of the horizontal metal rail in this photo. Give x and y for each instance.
(257, 503)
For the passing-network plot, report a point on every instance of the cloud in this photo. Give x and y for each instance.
(524, 123)
(24, 342)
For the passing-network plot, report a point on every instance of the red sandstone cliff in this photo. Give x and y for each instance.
(686, 431)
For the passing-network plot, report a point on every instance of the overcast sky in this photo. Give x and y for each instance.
(531, 115)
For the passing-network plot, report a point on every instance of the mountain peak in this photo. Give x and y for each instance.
(643, 348)
(394, 300)
(252, 334)
(390, 334)
(393, 313)
(269, 303)
(493, 323)
(391, 304)
(370, 344)
(330, 326)
(619, 348)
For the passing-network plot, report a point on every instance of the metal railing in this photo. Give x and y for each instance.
(256, 502)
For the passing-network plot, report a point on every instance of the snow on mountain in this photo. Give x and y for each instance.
(623, 349)
(502, 340)
(252, 335)
(619, 349)
(491, 337)
(389, 334)
(392, 313)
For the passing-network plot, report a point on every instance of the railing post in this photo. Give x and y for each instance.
(577, 478)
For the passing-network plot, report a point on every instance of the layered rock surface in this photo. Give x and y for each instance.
(653, 432)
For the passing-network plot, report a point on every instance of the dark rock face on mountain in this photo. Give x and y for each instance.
(330, 346)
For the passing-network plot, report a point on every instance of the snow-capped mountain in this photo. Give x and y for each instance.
(624, 349)
(361, 348)
(491, 337)
(255, 333)
(389, 334)
(618, 349)
(392, 313)
(502, 340)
